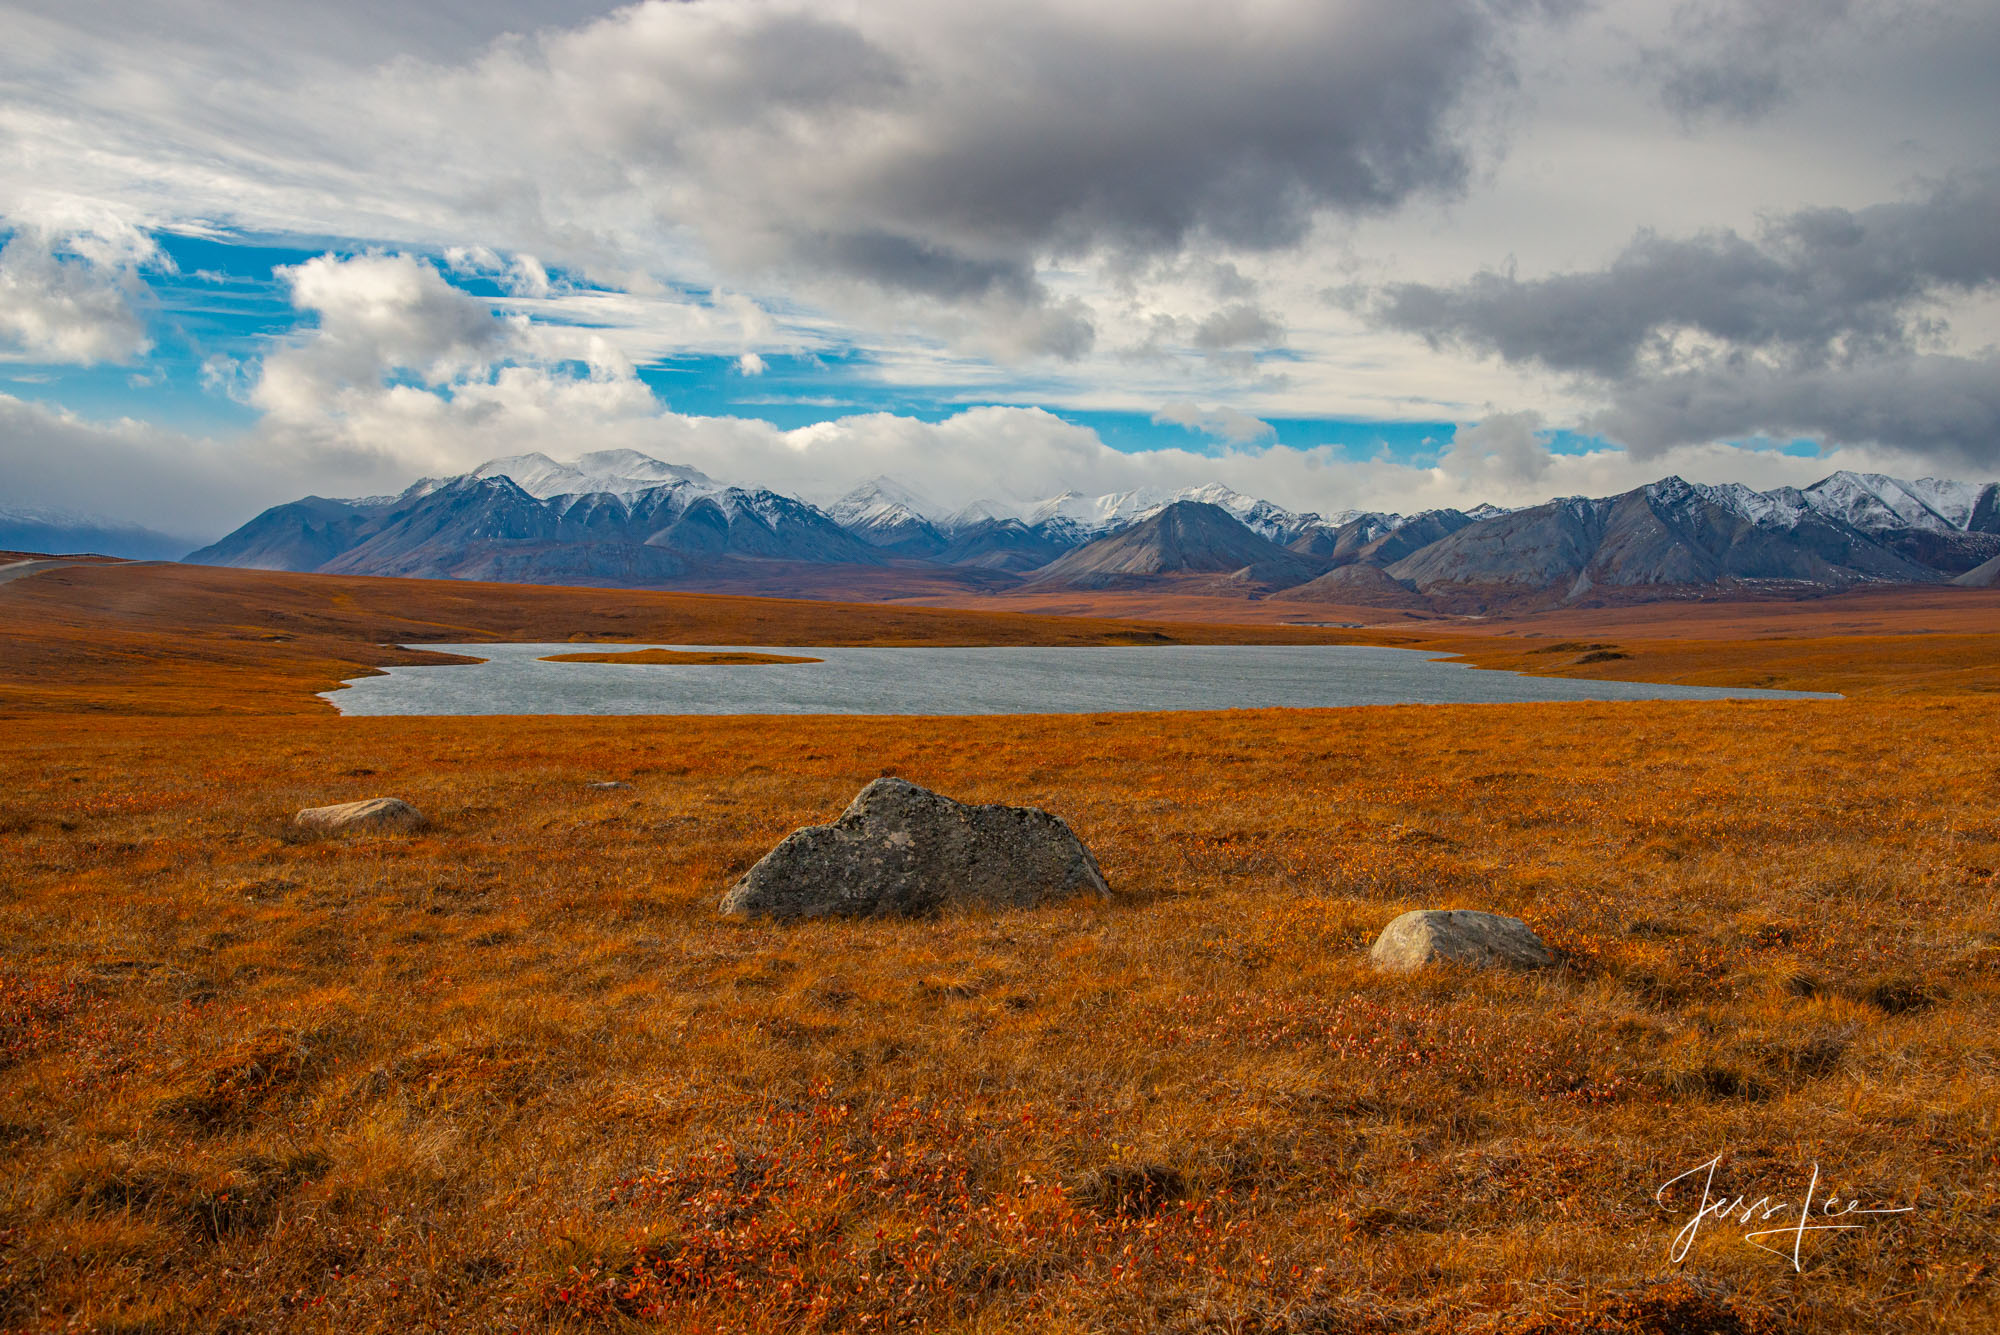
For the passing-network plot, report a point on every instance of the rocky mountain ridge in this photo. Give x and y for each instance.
(621, 518)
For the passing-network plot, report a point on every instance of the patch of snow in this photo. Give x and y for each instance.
(878, 504)
(621, 473)
(980, 512)
(1781, 507)
(1954, 502)
(1873, 500)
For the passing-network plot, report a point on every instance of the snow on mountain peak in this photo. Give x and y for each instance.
(1870, 502)
(621, 473)
(1954, 502)
(981, 512)
(1873, 500)
(881, 501)
(1099, 514)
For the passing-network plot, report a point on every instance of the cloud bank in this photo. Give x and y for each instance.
(402, 374)
(1815, 326)
(901, 159)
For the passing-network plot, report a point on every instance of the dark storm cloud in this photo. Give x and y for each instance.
(905, 157)
(1945, 410)
(1816, 327)
(357, 30)
(956, 153)
(1737, 61)
(1083, 138)
(1239, 325)
(1814, 284)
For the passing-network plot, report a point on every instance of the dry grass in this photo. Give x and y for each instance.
(127, 638)
(513, 1072)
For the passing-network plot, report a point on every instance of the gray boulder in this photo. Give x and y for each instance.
(1458, 936)
(902, 851)
(374, 815)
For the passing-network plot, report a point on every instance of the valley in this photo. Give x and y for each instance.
(513, 1071)
(755, 667)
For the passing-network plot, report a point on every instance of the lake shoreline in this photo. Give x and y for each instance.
(527, 679)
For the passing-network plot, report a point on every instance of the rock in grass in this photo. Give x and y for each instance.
(375, 815)
(903, 851)
(1458, 936)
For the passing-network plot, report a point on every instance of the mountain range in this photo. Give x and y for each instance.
(64, 532)
(623, 519)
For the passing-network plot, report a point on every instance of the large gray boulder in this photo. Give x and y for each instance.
(902, 851)
(1458, 936)
(374, 815)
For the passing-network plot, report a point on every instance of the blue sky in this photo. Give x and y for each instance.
(223, 296)
(1341, 255)
(221, 299)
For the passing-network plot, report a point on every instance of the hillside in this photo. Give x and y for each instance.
(1185, 538)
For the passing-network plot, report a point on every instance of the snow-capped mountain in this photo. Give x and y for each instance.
(621, 473)
(1870, 500)
(486, 525)
(1087, 516)
(1677, 535)
(1865, 501)
(1182, 538)
(886, 514)
(623, 518)
(1941, 525)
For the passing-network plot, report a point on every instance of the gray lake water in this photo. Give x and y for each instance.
(1011, 680)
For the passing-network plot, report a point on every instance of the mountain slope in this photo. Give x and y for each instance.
(484, 525)
(1945, 526)
(1186, 537)
(62, 532)
(1377, 539)
(1986, 576)
(302, 536)
(1357, 583)
(617, 517)
(1667, 535)
(886, 515)
(1004, 544)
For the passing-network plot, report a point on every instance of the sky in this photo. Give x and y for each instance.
(1339, 254)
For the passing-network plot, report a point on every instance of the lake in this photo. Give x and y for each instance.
(1009, 680)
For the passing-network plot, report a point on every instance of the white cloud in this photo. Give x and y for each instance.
(161, 479)
(514, 406)
(905, 162)
(1506, 452)
(376, 315)
(379, 440)
(70, 297)
(1227, 424)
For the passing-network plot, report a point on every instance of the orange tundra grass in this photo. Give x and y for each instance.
(513, 1073)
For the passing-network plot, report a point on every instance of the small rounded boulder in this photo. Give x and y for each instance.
(1458, 936)
(374, 815)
